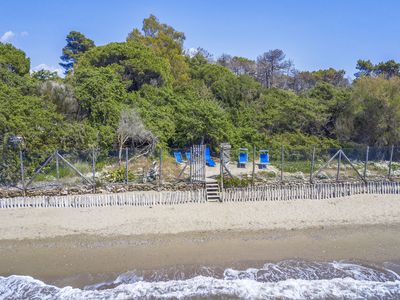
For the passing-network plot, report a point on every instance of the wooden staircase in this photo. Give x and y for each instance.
(213, 191)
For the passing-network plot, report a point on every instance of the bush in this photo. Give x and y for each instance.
(235, 182)
(119, 175)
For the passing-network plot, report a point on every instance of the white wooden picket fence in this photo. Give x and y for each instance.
(257, 193)
(99, 200)
(309, 191)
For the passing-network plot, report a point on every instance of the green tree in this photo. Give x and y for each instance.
(165, 41)
(44, 75)
(14, 59)
(222, 82)
(285, 111)
(43, 130)
(134, 63)
(339, 107)
(306, 80)
(377, 119)
(269, 64)
(77, 43)
(365, 68)
(102, 96)
(386, 69)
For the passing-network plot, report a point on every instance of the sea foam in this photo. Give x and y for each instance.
(284, 280)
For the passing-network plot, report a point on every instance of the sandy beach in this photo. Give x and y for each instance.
(39, 223)
(78, 247)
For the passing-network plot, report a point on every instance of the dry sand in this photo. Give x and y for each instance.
(31, 223)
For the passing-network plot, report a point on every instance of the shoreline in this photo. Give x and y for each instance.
(81, 260)
(83, 246)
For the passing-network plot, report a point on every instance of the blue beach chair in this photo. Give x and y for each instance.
(178, 157)
(264, 159)
(243, 157)
(209, 160)
(187, 154)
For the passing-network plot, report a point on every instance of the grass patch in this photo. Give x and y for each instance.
(235, 182)
(268, 174)
(294, 166)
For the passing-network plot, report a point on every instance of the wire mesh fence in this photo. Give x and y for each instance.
(96, 168)
(318, 165)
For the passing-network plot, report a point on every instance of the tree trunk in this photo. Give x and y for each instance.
(120, 154)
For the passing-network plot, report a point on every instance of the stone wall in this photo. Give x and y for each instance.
(111, 188)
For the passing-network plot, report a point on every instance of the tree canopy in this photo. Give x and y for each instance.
(77, 43)
(182, 97)
(388, 69)
(14, 59)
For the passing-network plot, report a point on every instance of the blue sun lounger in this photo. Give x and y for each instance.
(243, 158)
(178, 157)
(209, 160)
(187, 154)
(264, 159)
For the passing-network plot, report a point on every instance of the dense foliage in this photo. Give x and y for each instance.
(184, 98)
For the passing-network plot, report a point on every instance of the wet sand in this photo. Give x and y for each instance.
(81, 260)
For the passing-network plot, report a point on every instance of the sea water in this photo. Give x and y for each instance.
(289, 279)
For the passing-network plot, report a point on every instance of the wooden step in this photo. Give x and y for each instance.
(212, 191)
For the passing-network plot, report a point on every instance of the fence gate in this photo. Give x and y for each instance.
(197, 163)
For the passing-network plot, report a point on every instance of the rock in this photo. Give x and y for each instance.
(396, 173)
(323, 175)
(299, 175)
(88, 189)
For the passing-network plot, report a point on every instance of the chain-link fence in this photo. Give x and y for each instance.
(96, 168)
(314, 165)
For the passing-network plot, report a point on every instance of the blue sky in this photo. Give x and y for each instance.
(314, 34)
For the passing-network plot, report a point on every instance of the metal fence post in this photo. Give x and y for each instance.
(390, 162)
(254, 165)
(161, 165)
(338, 165)
(366, 162)
(57, 165)
(221, 168)
(191, 161)
(126, 165)
(94, 169)
(312, 165)
(282, 158)
(204, 162)
(22, 172)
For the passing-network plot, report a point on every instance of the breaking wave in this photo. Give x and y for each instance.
(289, 279)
